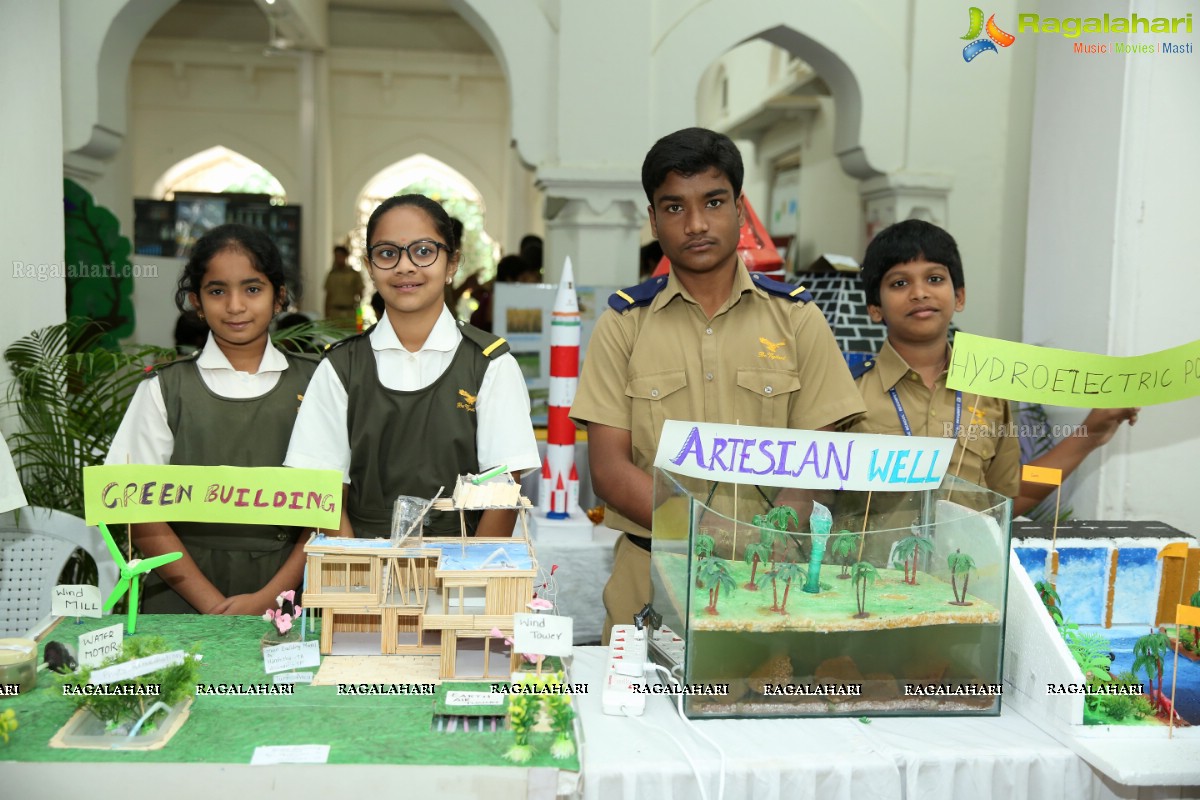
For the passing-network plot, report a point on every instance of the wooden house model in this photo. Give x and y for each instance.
(436, 597)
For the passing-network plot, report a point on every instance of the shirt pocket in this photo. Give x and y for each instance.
(981, 449)
(654, 399)
(764, 397)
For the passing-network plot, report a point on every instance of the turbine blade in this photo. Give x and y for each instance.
(117, 591)
(147, 564)
(113, 550)
(131, 625)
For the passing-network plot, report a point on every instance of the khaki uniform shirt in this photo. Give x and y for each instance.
(343, 290)
(761, 360)
(988, 450)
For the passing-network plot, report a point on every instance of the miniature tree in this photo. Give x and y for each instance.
(779, 519)
(910, 548)
(715, 574)
(819, 523)
(844, 547)
(756, 553)
(558, 709)
(522, 715)
(960, 564)
(703, 550)
(1050, 600)
(787, 573)
(1148, 652)
(862, 573)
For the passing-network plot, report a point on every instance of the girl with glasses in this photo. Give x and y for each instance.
(232, 403)
(419, 399)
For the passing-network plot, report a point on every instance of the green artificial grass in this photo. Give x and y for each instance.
(360, 729)
(891, 603)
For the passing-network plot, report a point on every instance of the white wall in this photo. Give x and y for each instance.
(1112, 245)
(31, 153)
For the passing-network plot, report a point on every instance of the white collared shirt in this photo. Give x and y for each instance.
(504, 436)
(145, 437)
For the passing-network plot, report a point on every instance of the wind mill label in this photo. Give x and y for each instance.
(244, 495)
(75, 601)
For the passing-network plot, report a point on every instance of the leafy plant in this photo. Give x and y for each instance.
(1050, 600)
(844, 546)
(862, 573)
(560, 712)
(714, 575)
(175, 683)
(1148, 653)
(100, 288)
(788, 573)
(756, 552)
(960, 564)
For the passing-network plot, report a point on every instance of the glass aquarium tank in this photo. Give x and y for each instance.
(784, 603)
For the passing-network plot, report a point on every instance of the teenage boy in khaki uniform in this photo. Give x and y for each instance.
(709, 342)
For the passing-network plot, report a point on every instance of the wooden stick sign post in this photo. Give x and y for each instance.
(1052, 477)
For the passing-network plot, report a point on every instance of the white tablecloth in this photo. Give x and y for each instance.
(976, 758)
(583, 569)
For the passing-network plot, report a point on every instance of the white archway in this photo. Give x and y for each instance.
(461, 198)
(218, 169)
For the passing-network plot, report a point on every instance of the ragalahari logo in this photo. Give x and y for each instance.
(995, 36)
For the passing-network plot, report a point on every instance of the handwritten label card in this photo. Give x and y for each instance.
(544, 634)
(293, 677)
(290, 754)
(97, 646)
(474, 699)
(75, 601)
(136, 668)
(291, 655)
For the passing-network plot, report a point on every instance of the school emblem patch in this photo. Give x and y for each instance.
(468, 401)
(771, 347)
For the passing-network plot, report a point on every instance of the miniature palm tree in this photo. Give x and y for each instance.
(819, 523)
(911, 548)
(862, 573)
(843, 547)
(787, 573)
(756, 553)
(960, 564)
(715, 574)
(779, 519)
(1051, 600)
(1148, 652)
(703, 549)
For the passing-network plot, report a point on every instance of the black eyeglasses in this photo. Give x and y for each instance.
(386, 255)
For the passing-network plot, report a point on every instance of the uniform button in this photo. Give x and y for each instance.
(708, 331)
(654, 392)
(768, 390)
(914, 376)
(281, 536)
(709, 376)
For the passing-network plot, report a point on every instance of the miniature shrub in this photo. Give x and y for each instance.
(1117, 706)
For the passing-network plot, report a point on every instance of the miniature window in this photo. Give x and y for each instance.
(465, 599)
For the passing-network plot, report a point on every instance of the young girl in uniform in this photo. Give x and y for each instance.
(234, 404)
(406, 407)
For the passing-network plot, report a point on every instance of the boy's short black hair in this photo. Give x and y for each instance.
(689, 152)
(908, 241)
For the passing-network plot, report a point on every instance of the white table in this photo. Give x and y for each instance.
(965, 758)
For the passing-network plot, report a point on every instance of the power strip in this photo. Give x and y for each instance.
(626, 665)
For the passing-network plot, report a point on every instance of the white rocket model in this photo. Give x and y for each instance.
(558, 496)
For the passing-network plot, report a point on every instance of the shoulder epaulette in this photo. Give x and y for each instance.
(329, 348)
(862, 368)
(491, 344)
(634, 296)
(797, 294)
(154, 369)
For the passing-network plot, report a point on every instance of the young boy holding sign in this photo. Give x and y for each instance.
(913, 277)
